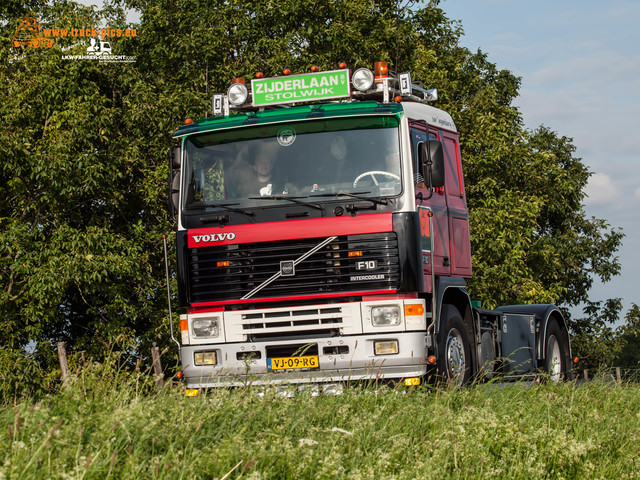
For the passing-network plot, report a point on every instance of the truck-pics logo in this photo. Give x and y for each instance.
(215, 237)
(98, 48)
(31, 34)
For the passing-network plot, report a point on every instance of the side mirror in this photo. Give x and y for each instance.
(175, 157)
(174, 193)
(175, 162)
(432, 163)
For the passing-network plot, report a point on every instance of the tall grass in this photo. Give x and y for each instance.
(111, 423)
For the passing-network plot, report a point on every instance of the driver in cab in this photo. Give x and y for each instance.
(384, 169)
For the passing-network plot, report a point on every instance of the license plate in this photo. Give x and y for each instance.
(292, 363)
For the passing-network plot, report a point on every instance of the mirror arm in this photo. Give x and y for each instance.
(429, 164)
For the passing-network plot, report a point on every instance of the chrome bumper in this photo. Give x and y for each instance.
(360, 363)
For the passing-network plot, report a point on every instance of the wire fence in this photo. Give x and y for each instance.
(156, 365)
(610, 374)
(619, 375)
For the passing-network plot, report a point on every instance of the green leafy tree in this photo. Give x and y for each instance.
(594, 340)
(83, 211)
(629, 356)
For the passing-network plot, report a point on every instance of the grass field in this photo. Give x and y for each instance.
(112, 424)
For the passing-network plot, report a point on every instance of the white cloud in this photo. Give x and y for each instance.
(601, 189)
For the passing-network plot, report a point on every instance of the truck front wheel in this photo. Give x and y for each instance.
(454, 351)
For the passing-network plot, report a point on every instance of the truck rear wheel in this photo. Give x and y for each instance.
(556, 350)
(454, 350)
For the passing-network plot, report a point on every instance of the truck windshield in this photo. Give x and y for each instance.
(257, 166)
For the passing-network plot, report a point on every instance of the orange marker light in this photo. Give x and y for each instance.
(355, 253)
(342, 65)
(380, 70)
(224, 263)
(431, 359)
(397, 99)
(314, 68)
(575, 360)
(184, 325)
(286, 71)
(188, 121)
(259, 75)
(237, 80)
(413, 309)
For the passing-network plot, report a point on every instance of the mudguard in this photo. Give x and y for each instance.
(542, 313)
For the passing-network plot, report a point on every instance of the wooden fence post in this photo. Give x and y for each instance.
(64, 364)
(586, 375)
(157, 368)
(618, 375)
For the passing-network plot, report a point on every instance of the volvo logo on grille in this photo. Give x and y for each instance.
(215, 237)
(287, 268)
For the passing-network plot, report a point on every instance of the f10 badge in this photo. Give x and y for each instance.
(367, 265)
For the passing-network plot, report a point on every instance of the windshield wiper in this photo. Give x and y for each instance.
(291, 199)
(357, 195)
(213, 217)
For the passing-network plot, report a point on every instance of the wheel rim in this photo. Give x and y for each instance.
(456, 360)
(554, 359)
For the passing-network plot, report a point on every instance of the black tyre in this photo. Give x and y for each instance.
(454, 351)
(556, 351)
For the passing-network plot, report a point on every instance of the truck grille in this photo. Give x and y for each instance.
(275, 322)
(230, 272)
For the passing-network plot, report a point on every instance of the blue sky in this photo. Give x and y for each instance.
(580, 66)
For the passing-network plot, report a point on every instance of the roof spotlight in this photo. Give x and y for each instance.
(237, 94)
(362, 79)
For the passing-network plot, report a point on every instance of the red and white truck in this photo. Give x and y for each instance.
(323, 237)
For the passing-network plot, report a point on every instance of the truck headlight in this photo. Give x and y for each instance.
(385, 316)
(205, 327)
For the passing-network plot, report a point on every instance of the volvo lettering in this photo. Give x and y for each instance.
(215, 237)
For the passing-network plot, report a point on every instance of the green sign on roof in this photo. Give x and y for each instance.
(301, 88)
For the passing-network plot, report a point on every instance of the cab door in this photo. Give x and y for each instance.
(438, 239)
(450, 237)
(458, 214)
